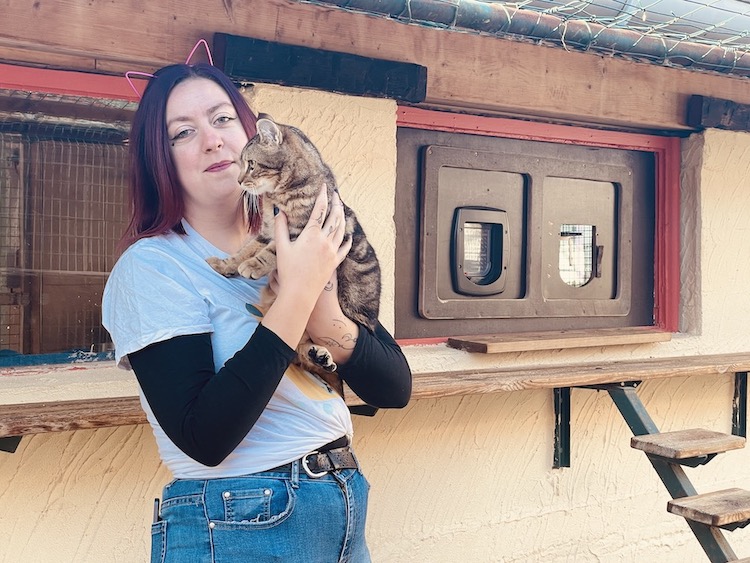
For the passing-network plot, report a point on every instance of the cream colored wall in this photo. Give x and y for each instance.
(461, 478)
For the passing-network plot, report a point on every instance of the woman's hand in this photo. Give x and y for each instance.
(308, 262)
(304, 266)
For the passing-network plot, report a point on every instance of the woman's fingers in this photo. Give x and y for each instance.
(344, 249)
(335, 225)
(320, 208)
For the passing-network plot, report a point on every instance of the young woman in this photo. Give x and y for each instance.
(259, 449)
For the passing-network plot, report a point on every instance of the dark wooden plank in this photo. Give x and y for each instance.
(256, 60)
(704, 111)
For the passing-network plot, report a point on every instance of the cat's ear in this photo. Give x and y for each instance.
(268, 132)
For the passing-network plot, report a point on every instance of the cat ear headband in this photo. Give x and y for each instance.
(131, 73)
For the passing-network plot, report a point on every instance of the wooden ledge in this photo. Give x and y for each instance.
(34, 418)
(558, 339)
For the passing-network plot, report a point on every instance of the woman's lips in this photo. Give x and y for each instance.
(219, 166)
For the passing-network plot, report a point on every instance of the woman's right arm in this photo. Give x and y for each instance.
(207, 414)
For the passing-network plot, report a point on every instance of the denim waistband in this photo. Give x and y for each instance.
(292, 471)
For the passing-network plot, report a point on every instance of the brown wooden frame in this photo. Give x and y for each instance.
(666, 152)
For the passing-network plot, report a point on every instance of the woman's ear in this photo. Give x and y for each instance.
(268, 132)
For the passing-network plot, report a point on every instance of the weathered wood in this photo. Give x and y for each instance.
(683, 444)
(721, 114)
(552, 340)
(36, 418)
(253, 60)
(33, 418)
(719, 508)
(465, 71)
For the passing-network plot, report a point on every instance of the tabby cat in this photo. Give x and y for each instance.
(284, 167)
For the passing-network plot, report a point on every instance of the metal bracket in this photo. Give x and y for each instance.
(739, 405)
(561, 455)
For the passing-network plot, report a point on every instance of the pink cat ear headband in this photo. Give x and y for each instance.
(131, 73)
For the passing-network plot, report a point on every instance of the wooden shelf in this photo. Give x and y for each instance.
(18, 419)
(558, 339)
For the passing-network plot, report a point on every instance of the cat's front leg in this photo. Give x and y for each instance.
(260, 264)
(230, 266)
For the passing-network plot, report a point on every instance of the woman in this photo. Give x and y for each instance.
(259, 449)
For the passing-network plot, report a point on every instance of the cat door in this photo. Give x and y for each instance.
(479, 251)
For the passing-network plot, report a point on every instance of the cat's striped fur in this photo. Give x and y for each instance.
(283, 167)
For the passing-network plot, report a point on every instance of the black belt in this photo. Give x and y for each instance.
(334, 455)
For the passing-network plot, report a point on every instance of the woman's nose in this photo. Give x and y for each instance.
(212, 141)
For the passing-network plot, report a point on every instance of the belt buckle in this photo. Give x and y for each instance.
(306, 467)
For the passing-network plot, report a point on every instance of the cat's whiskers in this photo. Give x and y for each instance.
(250, 204)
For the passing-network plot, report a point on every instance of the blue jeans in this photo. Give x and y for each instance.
(279, 515)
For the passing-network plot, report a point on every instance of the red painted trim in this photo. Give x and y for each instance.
(68, 82)
(667, 156)
(667, 251)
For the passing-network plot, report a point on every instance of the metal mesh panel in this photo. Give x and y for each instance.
(695, 34)
(62, 209)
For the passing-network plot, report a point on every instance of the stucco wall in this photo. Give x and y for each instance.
(453, 479)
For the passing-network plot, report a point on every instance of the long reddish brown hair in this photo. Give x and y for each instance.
(155, 190)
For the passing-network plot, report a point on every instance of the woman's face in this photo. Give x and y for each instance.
(206, 138)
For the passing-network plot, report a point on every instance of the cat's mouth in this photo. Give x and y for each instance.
(258, 186)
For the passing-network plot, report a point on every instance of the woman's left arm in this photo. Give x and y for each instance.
(377, 370)
(371, 362)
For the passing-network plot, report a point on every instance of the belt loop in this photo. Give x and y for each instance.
(295, 474)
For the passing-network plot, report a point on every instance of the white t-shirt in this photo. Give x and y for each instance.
(162, 287)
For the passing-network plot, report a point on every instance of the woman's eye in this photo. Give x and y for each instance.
(224, 119)
(180, 135)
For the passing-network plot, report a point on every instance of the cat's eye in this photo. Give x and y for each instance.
(250, 165)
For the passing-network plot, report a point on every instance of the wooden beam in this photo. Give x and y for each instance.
(254, 60)
(478, 73)
(722, 114)
(35, 418)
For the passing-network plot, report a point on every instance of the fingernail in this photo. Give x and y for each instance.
(275, 211)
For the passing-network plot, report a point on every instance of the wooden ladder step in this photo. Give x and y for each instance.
(720, 508)
(683, 444)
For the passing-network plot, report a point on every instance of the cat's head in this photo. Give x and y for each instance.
(262, 158)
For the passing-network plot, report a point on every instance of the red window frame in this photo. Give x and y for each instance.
(667, 158)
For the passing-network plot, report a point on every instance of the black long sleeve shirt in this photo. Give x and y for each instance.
(207, 413)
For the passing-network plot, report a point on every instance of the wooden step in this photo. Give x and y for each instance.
(720, 508)
(683, 444)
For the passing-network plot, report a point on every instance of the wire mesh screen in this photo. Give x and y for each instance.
(699, 35)
(62, 210)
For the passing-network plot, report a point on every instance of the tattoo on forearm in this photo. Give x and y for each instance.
(347, 342)
(329, 286)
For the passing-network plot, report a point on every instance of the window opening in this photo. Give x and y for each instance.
(577, 254)
(63, 207)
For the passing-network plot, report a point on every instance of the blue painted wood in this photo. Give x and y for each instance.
(14, 359)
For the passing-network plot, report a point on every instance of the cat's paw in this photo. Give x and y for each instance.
(221, 266)
(253, 269)
(321, 357)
